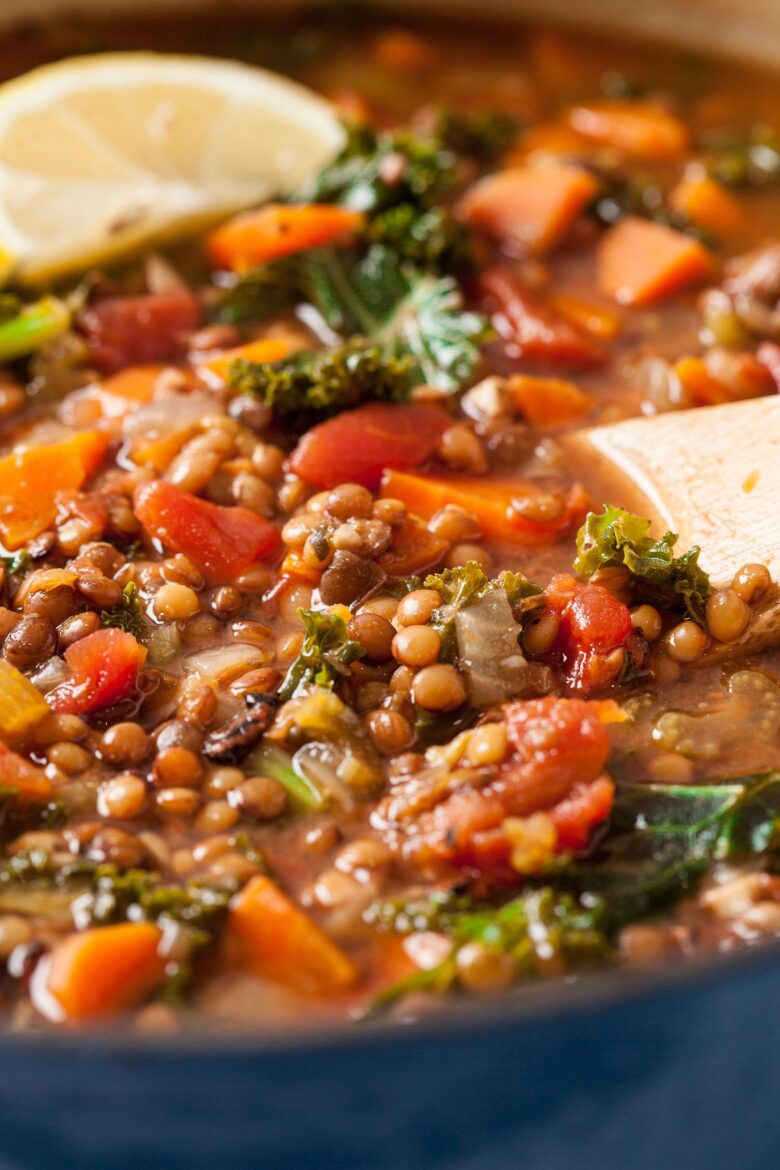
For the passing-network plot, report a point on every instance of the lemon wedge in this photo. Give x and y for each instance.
(101, 155)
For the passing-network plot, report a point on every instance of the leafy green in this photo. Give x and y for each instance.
(311, 386)
(535, 930)
(407, 314)
(128, 614)
(116, 896)
(325, 656)
(432, 239)
(616, 537)
(271, 760)
(663, 838)
(466, 583)
(621, 194)
(377, 170)
(749, 159)
(31, 326)
(482, 135)
(18, 563)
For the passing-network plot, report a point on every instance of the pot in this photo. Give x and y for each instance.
(676, 1071)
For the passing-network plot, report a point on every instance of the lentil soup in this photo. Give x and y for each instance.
(329, 686)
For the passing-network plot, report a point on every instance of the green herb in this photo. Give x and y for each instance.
(407, 314)
(624, 194)
(270, 760)
(325, 656)
(432, 239)
(535, 930)
(375, 171)
(128, 614)
(745, 160)
(615, 537)
(18, 563)
(482, 135)
(312, 386)
(662, 839)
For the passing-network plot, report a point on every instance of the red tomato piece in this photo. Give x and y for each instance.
(358, 445)
(532, 330)
(104, 668)
(125, 331)
(28, 781)
(592, 623)
(577, 816)
(223, 542)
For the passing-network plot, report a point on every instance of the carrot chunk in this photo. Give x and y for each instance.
(636, 128)
(255, 351)
(641, 262)
(548, 402)
(99, 972)
(708, 204)
(256, 237)
(29, 783)
(490, 501)
(31, 479)
(414, 550)
(280, 942)
(529, 207)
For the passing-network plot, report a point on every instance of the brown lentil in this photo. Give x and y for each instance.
(77, 627)
(728, 616)
(390, 731)
(686, 642)
(260, 797)
(178, 802)
(751, 582)
(125, 745)
(176, 767)
(416, 645)
(439, 688)
(122, 797)
(375, 634)
(30, 641)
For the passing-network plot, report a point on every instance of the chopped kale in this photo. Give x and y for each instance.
(311, 386)
(534, 930)
(615, 537)
(407, 314)
(128, 614)
(744, 160)
(482, 135)
(325, 656)
(431, 239)
(18, 563)
(466, 583)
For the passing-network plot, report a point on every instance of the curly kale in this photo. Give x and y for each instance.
(431, 239)
(312, 386)
(325, 656)
(119, 896)
(618, 538)
(128, 614)
(481, 135)
(466, 583)
(18, 563)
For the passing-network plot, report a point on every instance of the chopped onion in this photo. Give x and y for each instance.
(50, 675)
(489, 652)
(222, 664)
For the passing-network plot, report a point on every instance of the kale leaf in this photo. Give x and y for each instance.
(325, 656)
(18, 563)
(313, 385)
(616, 537)
(466, 583)
(534, 930)
(663, 838)
(481, 135)
(744, 160)
(128, 614)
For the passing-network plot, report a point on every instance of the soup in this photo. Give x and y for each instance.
(331, 686)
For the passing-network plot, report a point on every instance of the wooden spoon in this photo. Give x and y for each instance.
(711, 475)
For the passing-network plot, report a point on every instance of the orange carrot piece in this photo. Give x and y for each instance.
(280, 942)
(490, 501)
(598, 322)
(30, 783)
(402, 51)
(708, 204)
(414, 550)
(636, 128)
(133, 384)
(256, 237)
(641, 262)
(548, 402)
(159, 452)
(30, 480)
(294, 565)
(531, 207)
(749, 379)
(99, 972)
(551, 138)
(269, 350)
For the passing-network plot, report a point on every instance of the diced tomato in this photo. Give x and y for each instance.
(532, 330)
(559, 750)
(29, 782)
(592, 624)
(125, 331)
(104, 667)
(222, 542)
(358, 445)
(580, 812)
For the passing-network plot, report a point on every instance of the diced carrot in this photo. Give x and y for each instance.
(641, 262)
(99, 972)
(708, 204)
(22, 706)
(255, 351)
(551, 138)
(133, 384)
(280, 942)
(548, 402)
(748, 378)
(402, 51)
(159, 452)
(599, 323)
(636, 128)
(28, 782)
(490, 501)
(294, 565)
(529, 207)
(414, 550)
(256, 237)
(31, 479)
